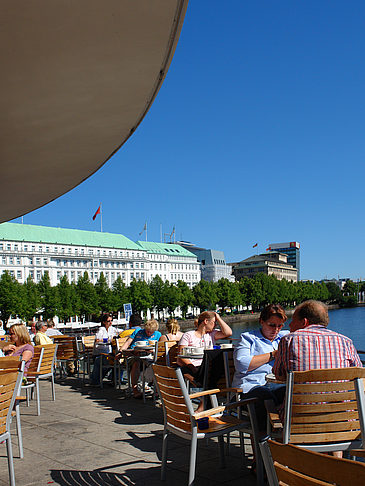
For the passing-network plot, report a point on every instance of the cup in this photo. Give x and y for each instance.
(141, 343)
(216, 346)
(105, 340)
(226, 346)
(203, 423)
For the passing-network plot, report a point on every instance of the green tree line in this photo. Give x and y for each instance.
(85, 299)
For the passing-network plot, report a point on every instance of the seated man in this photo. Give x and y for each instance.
(149, 333)
(41, 337)
(51, 329)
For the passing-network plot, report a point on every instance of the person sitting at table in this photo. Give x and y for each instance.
(20, 345)
(254, 357)
(135, 321)
(41, 338)
(204, 336)
(102, 345)
(149, 333)
(174, 333)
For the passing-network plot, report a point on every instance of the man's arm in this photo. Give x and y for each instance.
(280, 366)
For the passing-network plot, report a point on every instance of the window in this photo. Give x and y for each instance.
(58, 275)
(19, 275)
(132, 276)
(8, 247)
(142, 275)
(47, 249)
(40, 249)
(12, 273)
(45, 261)
(11, 260)
(18, 260)
(30, 260)
(15, 247)
(1, 246)
(62, 250)
(137, 265)
(142, 265)
(25, 247)
(31, 274)
(33, 248)
(38, 261)
(39, 275)
(4, 260)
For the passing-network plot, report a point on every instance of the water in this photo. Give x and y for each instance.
(350, 322)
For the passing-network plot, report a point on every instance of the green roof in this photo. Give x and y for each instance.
(64, 236)
(165, 248)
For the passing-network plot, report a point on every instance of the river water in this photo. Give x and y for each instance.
(350, 322)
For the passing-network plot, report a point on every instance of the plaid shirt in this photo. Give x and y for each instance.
(314, 347)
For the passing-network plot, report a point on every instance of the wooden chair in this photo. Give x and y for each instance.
(66, 352)
(9, 386)
(181, 419)
(172, 350)
(324, 410)
(86, 353)
(291, 465)
(13, 364)
(41, 369)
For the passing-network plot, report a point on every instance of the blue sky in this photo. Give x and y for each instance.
(257, 135)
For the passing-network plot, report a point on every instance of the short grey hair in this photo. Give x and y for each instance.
(39, 325)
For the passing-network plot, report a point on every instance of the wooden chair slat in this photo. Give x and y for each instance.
(176, 406)
(314, 387)
(170, 390)
(325, 437)
(183, 417)
(290, 477)
(179, 424)
(325, 427)
(321, 418)
(324, 408)
(324, 397)
(328, 374)
(172, 398)
(162, 373)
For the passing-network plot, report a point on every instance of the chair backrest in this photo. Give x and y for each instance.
(67, 347)
(9, 385)
(324, 406)
(48, 358)
(172, 350)
(176, 403)
(10, 363)
(120, 341)
(161, 351)
(35, 364)
(88, 343)
(288, 464)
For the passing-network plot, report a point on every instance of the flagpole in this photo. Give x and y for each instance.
(101, 219)
(146, 230)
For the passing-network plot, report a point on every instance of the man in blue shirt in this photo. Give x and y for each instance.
(254, 358)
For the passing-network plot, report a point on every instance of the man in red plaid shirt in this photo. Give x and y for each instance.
(310, 345)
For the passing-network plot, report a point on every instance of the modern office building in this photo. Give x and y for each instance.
(213, 263)
(273, 263)
(292, 249)
(29, 250)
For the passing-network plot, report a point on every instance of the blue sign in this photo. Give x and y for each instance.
(127, 311)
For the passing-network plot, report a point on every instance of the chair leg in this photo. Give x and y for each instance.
(164, 454)
(193, 449)
(221, 451)
(53, 389)
(38, 397)
(27, 396)
(9, 451)
(19, 431)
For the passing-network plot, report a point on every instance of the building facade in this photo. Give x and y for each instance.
(292, 249)
(29, 251)
(273, 263)
(213, 263)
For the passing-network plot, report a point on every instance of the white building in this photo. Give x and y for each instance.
(29, 250)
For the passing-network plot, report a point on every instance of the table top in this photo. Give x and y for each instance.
(191, 356)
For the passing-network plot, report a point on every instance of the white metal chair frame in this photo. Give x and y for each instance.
(6, 436)
(193, 435)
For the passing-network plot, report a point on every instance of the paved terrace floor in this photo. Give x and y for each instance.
(90, 436)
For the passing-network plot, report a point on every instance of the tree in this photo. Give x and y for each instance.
(186, 296)
(104, 294)
(158, 294)
(228, 293)
(140, 295)
(349, 288)
(87, 296)
(65, 308)
(334, 292)
(48, 297)
(173, 297)
(120, 295)
(205, 296)
(10, 297)
(31, 302)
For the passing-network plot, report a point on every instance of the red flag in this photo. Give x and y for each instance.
(254, 246)
(97, 212)
(268, 249)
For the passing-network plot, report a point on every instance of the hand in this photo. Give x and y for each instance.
(9, 347)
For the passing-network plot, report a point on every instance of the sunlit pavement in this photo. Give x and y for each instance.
(90, 436)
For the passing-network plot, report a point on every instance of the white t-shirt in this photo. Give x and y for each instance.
(189, 338)
(104, 334)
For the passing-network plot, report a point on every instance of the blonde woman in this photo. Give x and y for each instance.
(174, 333)
(20, 344)
(149, 333)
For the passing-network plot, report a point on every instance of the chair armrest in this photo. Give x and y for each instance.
(21, 398)
(209, 412)
(357, 452)
(205, 392)
(233, 390)
(275, 420)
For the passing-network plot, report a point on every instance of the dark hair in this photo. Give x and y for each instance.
(135, 320)
(273, 310)
(314, 311)
(39, 325)
(104, 318)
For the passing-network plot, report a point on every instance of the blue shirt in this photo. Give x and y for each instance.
(251, 344)
(141, 335)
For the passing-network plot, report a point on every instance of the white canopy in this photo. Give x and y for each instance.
(77, 78)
